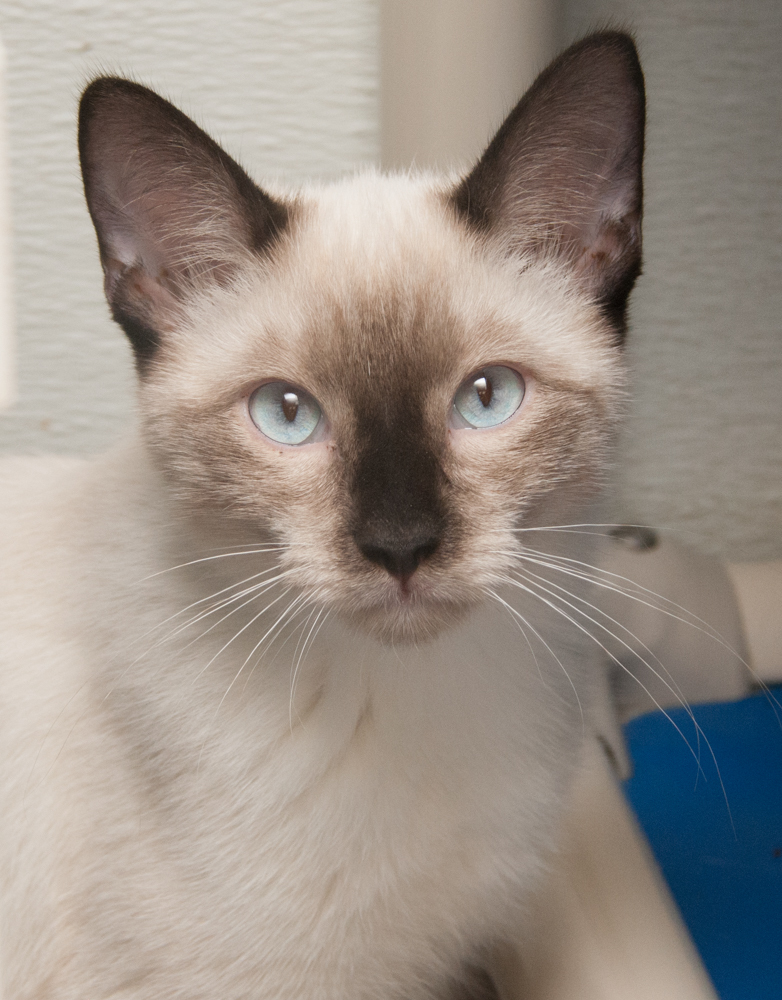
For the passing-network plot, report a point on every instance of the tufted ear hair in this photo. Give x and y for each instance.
(563, 174)
(171, 209)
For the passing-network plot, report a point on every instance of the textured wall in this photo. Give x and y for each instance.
(703, 452)
(290, 88)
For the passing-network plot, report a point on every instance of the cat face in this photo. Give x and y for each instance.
(391, 374)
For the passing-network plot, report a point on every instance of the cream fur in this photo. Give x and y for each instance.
(363, 844)
(168, 834)
(344, 786)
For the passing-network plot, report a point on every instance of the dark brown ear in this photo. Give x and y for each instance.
(171, 209)
(563, 174)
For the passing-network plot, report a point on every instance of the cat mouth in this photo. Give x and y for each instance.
(412, 610)
(406, 591)
(410, 589)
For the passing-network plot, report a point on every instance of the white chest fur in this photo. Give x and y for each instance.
(374, 826)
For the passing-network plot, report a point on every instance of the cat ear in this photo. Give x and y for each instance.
(563, 174)
(171, 209)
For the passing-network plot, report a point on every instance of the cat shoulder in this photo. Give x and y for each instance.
(32, 490)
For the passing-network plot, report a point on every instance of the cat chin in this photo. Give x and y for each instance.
(411, 623)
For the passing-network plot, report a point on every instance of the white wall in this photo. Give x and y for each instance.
(289, 86)
(703, 451)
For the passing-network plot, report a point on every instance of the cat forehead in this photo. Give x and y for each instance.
(380, 270)
(376, 226)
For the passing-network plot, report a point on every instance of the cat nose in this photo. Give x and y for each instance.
(401, 556)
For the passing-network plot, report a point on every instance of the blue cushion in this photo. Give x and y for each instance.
(719, 843)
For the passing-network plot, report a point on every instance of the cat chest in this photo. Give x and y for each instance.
(341, 883)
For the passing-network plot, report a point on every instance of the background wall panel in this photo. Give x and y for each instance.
(703, 450)
(289, 86)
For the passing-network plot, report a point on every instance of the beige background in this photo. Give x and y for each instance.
(452, 69)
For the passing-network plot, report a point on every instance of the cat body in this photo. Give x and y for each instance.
(381, 828)
(282, 718)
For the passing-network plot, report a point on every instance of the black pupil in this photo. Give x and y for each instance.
(290, 406)
(484, 389)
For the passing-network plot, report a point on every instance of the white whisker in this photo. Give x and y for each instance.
(302, 653)
(254, 592)
(261, 550)
(576, 529)
(614, 659)
(597, 575)
(247, 659)
(236, 635)
(300, 628)
(196, 618)
(669, 680)
(537, 634)
(607, 580)
(517, 618)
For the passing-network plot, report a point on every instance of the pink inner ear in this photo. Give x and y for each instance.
(563, 174)
(154, 295)
(157, 289)
(597, 258)
(173, 212)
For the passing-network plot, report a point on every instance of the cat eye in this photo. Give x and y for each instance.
(489, 397)
(284, 413)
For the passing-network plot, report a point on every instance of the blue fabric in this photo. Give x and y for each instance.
(719, 844)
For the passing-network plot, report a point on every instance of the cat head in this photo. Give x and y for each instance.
(387, 375)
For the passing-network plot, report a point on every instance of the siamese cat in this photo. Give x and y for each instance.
(290, 702)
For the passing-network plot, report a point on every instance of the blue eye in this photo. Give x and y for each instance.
(284, 414)
(489, 397)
